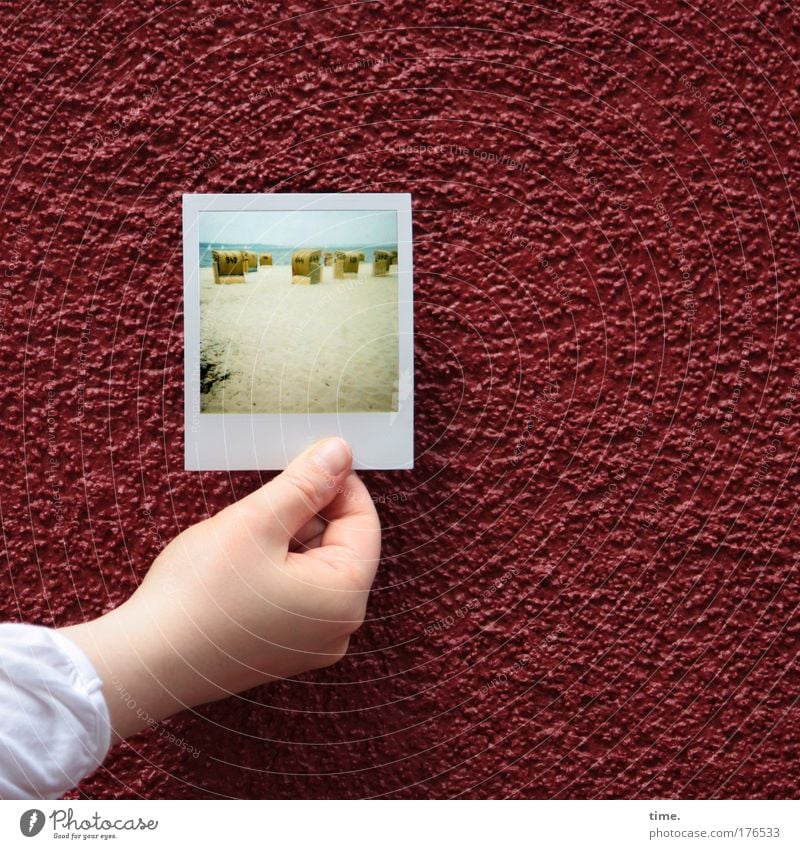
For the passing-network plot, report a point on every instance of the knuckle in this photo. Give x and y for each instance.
(335, 654)
(353, 626)
(334, 658)
(305, 484)
(345, 612)
(356, 625)
(355, 619)
(247, 512)
(352, 573)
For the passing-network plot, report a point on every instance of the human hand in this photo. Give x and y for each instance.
(270, 587)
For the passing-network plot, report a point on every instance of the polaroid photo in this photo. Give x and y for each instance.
(299, 320)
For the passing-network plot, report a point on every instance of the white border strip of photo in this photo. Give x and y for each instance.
(242, 441)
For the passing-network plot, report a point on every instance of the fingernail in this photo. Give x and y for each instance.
(333, 455)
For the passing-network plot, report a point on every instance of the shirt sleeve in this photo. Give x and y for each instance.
(54, 722)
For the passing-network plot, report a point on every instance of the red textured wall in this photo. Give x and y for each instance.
(589, 586)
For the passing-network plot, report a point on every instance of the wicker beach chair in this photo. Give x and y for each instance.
(266, 259)
(349, 260)
(381, 265)
(252, 261)
(229, 266)
(307, 266)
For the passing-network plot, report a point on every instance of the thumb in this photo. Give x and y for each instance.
(310, 482)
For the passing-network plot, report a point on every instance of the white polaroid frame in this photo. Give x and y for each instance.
(240, 441)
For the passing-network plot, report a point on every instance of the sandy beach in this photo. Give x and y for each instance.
(268, 346)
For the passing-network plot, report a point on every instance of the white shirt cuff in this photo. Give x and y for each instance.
(56, 727)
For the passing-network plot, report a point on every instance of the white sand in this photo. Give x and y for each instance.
(329, 347)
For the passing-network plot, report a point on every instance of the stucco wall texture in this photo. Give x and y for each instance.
(589, 584)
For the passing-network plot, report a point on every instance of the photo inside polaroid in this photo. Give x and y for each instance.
(298, 311)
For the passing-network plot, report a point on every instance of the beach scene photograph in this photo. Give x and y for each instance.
(298, 311)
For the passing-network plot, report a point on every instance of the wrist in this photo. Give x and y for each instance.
(132, 665)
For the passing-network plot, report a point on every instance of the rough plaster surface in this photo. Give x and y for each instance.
(589, 586)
